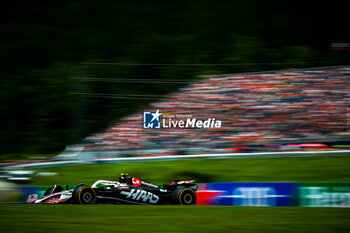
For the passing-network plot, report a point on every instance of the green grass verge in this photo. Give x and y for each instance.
(303, 169)
(49, 218)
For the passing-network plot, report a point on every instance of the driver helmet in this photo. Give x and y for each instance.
(123, 178)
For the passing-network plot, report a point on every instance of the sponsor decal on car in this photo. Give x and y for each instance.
(136, 182)
(184, 182)
(149, 184)
(141, 195)
(53, 201)
(65, 196)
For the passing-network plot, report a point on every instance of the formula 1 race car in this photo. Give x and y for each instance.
(129, 190)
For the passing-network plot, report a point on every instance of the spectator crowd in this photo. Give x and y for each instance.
(259, 111)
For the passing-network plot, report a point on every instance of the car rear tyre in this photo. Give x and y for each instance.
(184, 196)
(83, 194)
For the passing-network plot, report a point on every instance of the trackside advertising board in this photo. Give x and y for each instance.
(324, 194)
(250, 194)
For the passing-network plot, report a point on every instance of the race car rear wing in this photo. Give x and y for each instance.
(183, 182)
(186, 183)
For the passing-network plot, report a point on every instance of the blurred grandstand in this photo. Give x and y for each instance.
(266, 111)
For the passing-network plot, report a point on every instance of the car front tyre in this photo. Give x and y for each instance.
(83, 194)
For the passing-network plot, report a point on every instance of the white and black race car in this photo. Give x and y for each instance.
(129, 190)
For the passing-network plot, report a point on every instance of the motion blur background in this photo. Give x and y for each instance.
(75, 77)
(70, 69)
